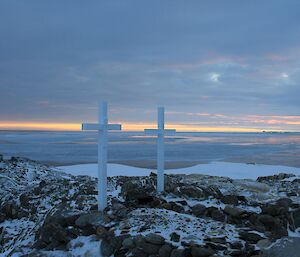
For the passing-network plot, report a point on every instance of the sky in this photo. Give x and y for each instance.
(214, 65)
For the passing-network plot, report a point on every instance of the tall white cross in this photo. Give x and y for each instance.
(160, 132)
(102, 127)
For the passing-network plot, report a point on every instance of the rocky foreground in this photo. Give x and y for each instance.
(44, 212)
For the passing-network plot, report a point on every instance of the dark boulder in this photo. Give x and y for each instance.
(57, 230)
(12, 210)
(178, 253)
(128, 243)
(165, 251)
(217, 215)
(274, 209)
(89, 219)
(173, 207)
(250, 237)
(156, 239)
(230, 199)
(235, 212)
(198, 210)
(111, 245)
(134, 191)
(268, 220)
(295, 214)
(192, 191)
(284, 202)
(147, 247)
(198, 251)
(136, 252)
(273, 178)
(174, 237)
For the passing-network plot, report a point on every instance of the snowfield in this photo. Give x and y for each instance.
(222, 169)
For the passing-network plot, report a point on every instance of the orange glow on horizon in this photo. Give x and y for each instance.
(125, 127)
(39, 126)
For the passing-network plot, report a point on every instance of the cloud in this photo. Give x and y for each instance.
(58, 60)
(214, 77)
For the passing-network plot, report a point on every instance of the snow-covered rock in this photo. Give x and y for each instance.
(45, 212)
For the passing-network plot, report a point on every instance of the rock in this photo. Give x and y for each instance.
(295, 214)
(93, 219)
(135, 252)
(24, 200)
(236, 245)
(1, 158)
(52, 236)
(251, 185)
(183, 202)
(218, 240)
(109, 246)
(136, 192)
(288, 246)
(251, 237)
(155, 239)
(198, 210)
(192, 191)
(56, 232)
(101, 232)
(2, 217)
(173, 206)
(234, 253)
(165, 251)
(274, 209)
(234, 211)
(212, 190)
(292, 193)
(273, 224)
(215, 246)
(175, 237)
(178, 253)
(147, 200)
(268, 220)
(216, 243)
(119, 210)
(230, 199)
(171, 184)
(264, 243)
(10, 210)
(284, 202)
(128, 243)
(272, 178)
(217, 215)
(201, 252)
(14, 159)
(147, 247)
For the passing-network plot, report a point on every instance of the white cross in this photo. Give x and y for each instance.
(160, 132)
(102, 129)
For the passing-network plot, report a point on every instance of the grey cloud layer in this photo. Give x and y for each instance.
(57, 58)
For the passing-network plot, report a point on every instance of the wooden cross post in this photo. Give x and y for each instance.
(160, 132)
(102, 127)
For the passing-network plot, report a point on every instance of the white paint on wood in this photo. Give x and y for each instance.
(102, 129)
(160, 132)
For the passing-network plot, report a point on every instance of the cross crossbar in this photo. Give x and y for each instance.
(154, 132)
(96, 126)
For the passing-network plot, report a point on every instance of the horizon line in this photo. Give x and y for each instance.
(129, 127)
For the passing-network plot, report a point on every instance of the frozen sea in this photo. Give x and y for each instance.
(134, 148)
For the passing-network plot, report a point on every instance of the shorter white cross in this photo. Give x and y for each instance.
(160, 132)
(102, 129)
